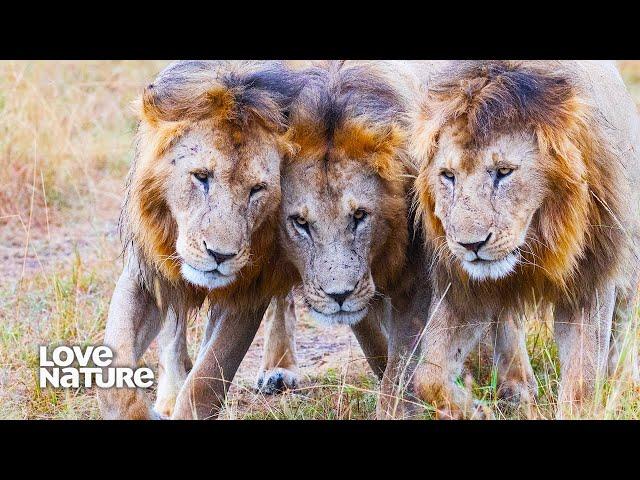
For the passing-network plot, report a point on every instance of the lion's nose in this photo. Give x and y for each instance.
(218, 257)
(340, 297)
(475, 246)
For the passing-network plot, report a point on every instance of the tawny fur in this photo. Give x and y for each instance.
(236, 111)
(582, 240)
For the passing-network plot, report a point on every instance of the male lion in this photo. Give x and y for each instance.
(344, 214)
(528, 190)
(199, 222)
(347, 126)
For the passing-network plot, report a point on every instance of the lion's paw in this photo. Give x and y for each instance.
(277, 380)
(516, 392)
(155, 415)
(449, 414)
(479, 411)
(164, 405)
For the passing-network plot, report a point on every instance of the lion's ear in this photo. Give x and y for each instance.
(186, 103)
(186, 90)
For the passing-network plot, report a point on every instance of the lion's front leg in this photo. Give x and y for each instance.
(230, 333)
(372, 339)
(133, 322)
(279, 370)
(445, 345)
(583, 337)
(174, 364)
(516, 381)
(396, 399)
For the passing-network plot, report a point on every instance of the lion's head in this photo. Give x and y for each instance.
(511, 179)
(344, 209)
(485, 199)
(207, 175)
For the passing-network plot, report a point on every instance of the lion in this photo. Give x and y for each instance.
(199, 223)
(344, 214)
(348, 157)
(346, 223)
(527, 191)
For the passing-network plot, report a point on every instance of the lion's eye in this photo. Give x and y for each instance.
(448, 174)
(301, 224)
(201, 176)
(256, 188)
(503, 172)
(359, 215)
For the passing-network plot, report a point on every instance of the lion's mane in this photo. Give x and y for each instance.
(241, 98)
(358, 110)
(579, 241)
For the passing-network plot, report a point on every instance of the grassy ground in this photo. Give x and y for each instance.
(65, 145)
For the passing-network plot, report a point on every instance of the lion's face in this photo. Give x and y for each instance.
(219, 194)
(332, 228)
(485, 199)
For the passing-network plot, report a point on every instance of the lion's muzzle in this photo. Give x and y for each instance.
(339, 305)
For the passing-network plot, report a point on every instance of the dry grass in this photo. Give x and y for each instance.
(65, 144)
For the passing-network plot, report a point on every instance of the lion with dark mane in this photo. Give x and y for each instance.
(344, 219)
(527, 192)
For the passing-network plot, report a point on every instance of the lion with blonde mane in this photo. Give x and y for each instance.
(199, 224)
(528, 191)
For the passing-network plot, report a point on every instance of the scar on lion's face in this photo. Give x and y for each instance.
(220, 193)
